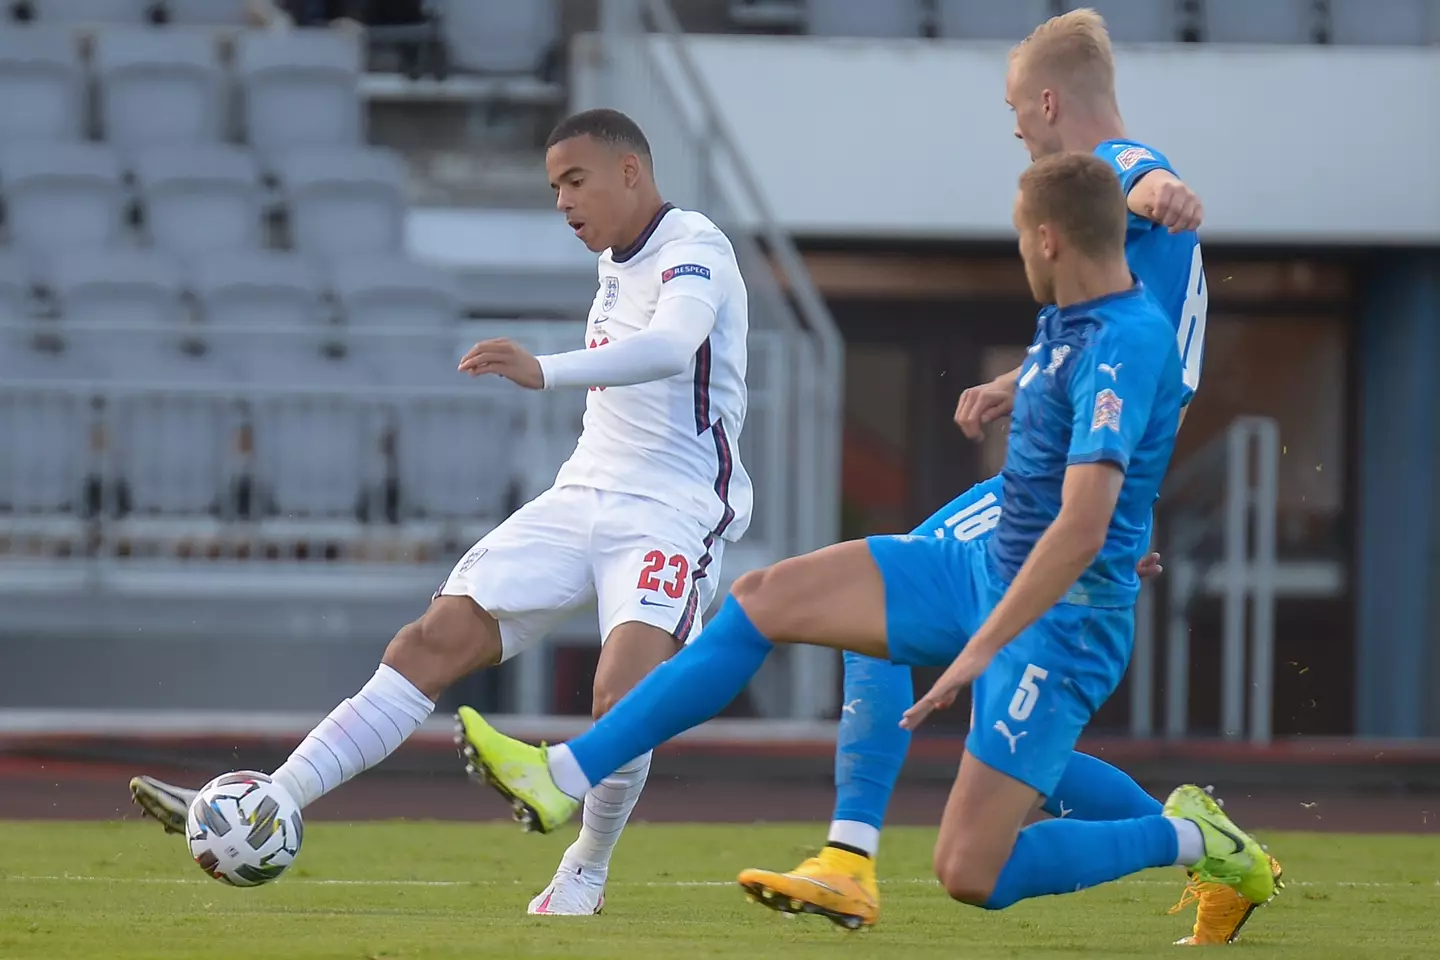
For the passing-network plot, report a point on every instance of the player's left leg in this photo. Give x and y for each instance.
(655, 569)
(837, 597)
(1030, 707)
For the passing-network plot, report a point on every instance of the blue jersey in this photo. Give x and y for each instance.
(1101, 383)
(1167, 263)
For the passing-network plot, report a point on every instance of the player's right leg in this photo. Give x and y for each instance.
(489, 608)
(870, 750)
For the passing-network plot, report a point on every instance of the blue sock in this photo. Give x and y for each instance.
(685, 691)
(870, 747)
(1091, 789)
(1062, 856)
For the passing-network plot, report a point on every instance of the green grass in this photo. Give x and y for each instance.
(411, 890)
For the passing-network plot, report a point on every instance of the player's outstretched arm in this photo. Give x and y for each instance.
(1161, 197)
(1059, 557)
(664, 349)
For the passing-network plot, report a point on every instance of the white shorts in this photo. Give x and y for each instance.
(637, 559)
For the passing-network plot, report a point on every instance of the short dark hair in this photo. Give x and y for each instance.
(610, 127)
(1079, 195)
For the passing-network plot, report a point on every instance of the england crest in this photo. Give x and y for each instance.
(612, 293)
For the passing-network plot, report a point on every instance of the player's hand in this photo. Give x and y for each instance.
(983, 405)
(504, 358)
(959, 675)
(1149, 566)
(1176, 207)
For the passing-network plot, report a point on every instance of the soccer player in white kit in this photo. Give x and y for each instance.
(636, 521)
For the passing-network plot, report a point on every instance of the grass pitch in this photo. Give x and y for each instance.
(413, 890)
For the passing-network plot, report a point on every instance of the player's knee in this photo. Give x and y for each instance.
(453, 638)
(756, 594)
(964, 880)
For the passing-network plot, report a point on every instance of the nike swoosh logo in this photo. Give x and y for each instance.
(1239, 844)
(647, 602)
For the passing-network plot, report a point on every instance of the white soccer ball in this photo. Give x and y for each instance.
(244, 829)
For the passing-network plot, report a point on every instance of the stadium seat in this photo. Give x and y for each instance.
(386, 291)
(42, 87)
(439, 479)
(301, 88)
(864, 18)
(109, 286)
(316, 451)
(207, 13)
(499, 37)
(92, 11)
(1385, 22)
(62, 195)
(46, 426)
(15, 288)
(258, 288)
(172, 432)
(1244, 21)
(200, 198)
(1137, 21)
(983, 20)
(158, 87)
(344, 202)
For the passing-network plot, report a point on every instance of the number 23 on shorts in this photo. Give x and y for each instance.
(666, 574)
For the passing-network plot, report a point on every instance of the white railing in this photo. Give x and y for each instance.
(1220, 510)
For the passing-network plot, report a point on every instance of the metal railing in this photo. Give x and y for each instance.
(160, 464)
(1220, 510)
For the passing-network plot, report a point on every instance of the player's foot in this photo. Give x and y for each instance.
(518, 771)
(837, 885)
(1220, 911)
(1232, 857)
(163, 801)
(576, 891)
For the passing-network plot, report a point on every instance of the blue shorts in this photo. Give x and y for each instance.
(1041, 689)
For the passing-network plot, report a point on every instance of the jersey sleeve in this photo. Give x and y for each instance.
(1112, 390)
(695, 269)
(1131, 161)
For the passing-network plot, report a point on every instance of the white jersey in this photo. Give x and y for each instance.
(675, 439)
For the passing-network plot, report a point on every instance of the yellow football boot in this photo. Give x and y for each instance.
(1220, 911)
(836, 884)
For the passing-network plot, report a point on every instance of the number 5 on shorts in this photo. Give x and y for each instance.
(1023, 703)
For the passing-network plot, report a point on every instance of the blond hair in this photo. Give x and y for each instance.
(1073, 48)
(1079, 196)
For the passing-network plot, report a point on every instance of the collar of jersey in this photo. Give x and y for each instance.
(629, 251)
(1086, 306)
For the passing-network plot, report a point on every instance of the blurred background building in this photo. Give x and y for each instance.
(244, 242)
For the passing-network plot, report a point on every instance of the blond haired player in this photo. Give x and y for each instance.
(636, 520)
(1061, 85)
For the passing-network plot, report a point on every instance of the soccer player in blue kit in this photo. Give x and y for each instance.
(1061, 85)
(1040, 617)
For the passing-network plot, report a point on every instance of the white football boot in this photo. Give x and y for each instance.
(576, 891)
(164, 801)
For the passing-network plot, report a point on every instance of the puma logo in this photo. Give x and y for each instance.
(1004, 731)
(1113, 371)
(850, 707)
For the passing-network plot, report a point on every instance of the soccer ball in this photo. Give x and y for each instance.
(244, 829)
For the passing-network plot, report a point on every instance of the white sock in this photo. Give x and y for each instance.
(855, 834)
(1191, 842)
(358, 734)
(607, 809)
(565, 771)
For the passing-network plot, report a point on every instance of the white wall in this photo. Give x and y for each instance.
(913, 138)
